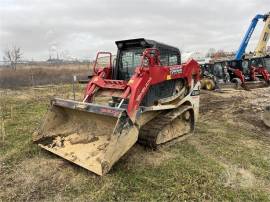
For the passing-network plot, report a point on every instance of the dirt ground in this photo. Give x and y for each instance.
(227, 159)
(241, 108)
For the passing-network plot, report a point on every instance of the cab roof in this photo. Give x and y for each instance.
(142, 42)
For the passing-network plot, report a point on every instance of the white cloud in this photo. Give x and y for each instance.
(84, 27)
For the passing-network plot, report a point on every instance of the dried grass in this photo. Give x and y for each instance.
(40, 75)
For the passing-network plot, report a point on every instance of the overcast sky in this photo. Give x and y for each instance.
(80, 28)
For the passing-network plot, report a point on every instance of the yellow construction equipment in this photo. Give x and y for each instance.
(260, 50)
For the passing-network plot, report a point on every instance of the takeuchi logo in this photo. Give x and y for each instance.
(176, 70)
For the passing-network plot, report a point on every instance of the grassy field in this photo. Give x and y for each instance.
(221, 162)
(41, 74)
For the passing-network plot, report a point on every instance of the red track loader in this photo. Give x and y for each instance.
(145, 96)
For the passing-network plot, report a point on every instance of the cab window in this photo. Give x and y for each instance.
(173, 60)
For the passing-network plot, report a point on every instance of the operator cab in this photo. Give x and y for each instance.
(267, 62)
(261, 61)
(218, 70)
(130, 52)
(206, 69)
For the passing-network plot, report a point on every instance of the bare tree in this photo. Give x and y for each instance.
(13, 55)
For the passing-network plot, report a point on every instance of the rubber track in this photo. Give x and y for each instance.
(149, 132)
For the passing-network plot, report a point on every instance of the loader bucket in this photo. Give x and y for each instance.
(91, 136)
(266, 116)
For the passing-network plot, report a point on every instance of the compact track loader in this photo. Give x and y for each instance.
(146, 95)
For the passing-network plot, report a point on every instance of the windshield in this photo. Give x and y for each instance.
(129, 60)
(218, 70)
(267, 63)
(245, 66)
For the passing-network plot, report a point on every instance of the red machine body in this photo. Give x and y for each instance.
(144, 76)
(254, 71)
(239, 74)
